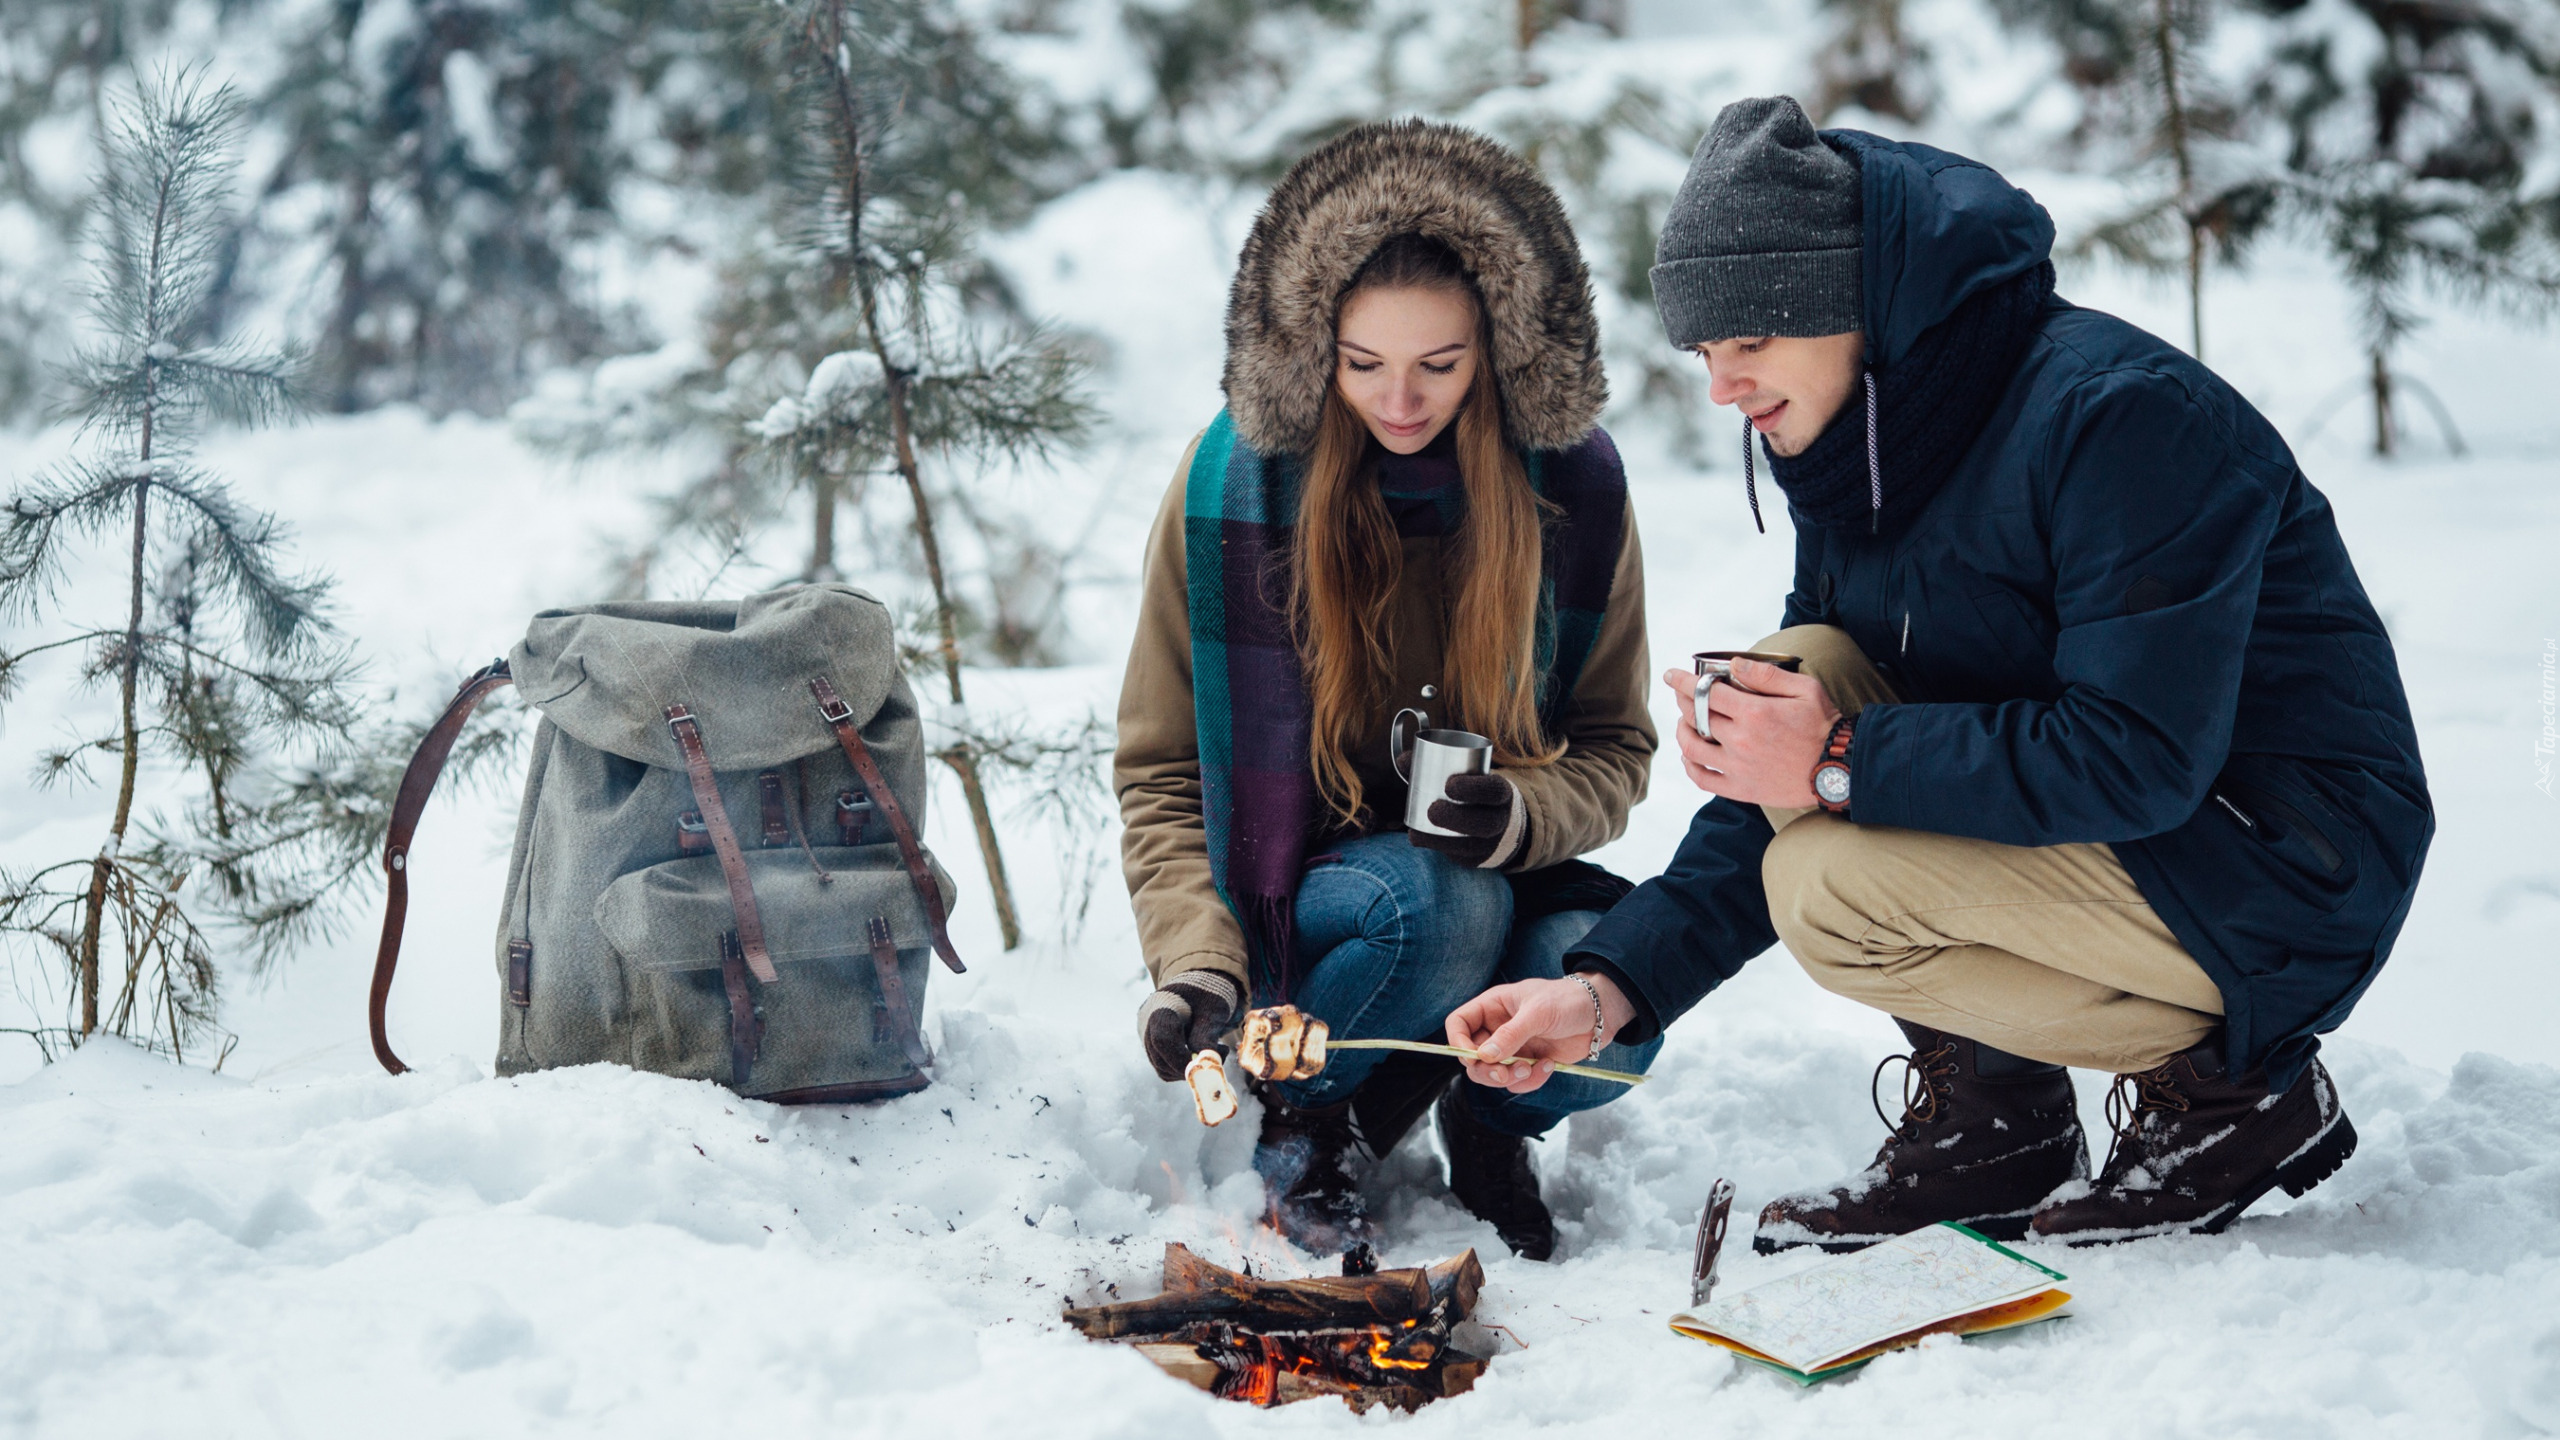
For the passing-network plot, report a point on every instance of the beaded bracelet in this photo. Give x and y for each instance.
(1599, 1015)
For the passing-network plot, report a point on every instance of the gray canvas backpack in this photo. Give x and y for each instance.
(716, 871)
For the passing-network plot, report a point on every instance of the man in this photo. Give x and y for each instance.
(2098, 755)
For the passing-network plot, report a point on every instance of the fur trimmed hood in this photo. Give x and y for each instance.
(1333, 210)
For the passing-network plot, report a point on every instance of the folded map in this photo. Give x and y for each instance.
(1837, 1315)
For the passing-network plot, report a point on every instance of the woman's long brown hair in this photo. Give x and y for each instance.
(1348, 559)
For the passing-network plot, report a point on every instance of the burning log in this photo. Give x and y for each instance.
(1196, 1291)
(1381, 1338)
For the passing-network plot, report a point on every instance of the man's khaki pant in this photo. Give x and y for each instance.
(2047, 951)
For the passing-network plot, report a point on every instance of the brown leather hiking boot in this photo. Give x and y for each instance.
(2194, 1147)
(1490, 1174)
(1308, 1192)
(1984, 1137)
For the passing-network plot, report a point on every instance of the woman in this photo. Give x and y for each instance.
(1406, 503)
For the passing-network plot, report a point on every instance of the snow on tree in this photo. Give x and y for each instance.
(2159, 112)
(919, 375)
(2422, 146)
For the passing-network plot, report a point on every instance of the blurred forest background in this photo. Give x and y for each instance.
(764, 243)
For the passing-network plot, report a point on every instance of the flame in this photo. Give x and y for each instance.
(1379, 1339)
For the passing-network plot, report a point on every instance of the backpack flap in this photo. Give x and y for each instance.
(606, 674)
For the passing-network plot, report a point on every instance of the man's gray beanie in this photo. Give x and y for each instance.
(1764, 236)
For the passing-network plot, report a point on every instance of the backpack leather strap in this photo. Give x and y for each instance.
(724, 840)
(893, 994)
(839, 718)
(746, 1027)
(416, 784)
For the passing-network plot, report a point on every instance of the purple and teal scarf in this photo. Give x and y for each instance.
(1258, 784)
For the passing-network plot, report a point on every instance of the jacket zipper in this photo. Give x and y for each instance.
(2321, 848)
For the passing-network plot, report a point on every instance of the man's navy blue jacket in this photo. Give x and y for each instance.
(2126, 618)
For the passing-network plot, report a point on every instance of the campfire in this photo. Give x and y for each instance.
(1373, 1337)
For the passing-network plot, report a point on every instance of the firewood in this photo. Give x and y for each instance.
(1181, 1360)
(1455, 1282)
(1196, 1290)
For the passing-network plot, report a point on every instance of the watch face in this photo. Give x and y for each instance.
(1831, 782)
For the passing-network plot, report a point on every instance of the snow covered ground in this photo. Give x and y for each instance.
(302, 1246)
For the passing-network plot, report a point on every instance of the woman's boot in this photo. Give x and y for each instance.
(1984, 1137)
(1397, 1094)
(1307, 1189)
(1490, 1174)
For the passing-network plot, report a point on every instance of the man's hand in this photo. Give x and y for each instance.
(1184, 1018)
(1538, 1023)
(1766, 743)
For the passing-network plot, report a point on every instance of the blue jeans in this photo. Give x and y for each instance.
(1392, 937)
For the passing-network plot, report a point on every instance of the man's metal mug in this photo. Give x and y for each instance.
(1427, 760)
(1715, 665)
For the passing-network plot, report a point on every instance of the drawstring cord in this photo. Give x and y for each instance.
(800, 832)
(1875, 469)
(1875, 466)
(1751, 476)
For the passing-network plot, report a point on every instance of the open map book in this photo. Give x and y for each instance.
(1851, 1308)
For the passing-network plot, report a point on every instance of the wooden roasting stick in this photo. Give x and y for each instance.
(1284, 1042)
(1424, 1047)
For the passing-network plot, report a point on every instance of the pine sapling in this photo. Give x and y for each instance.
(221, 657)
(914, 376)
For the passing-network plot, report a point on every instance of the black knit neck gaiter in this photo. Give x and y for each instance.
(1927, 411)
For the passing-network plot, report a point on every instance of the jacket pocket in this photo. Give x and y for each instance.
(2314, 844)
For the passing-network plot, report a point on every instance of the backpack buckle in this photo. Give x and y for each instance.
(831, 706)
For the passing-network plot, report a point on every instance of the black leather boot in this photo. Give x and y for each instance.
(1984, 1137)
(1302, 1157)
(1490, 1174)
(1396, 1094)
(2195, 1146)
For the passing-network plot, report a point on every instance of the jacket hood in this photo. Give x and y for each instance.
(1940, 229)
(1333, 210)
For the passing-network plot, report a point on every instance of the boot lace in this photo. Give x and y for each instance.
(2131, 1098)
(1928, 1079)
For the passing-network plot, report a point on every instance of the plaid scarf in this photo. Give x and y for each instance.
(1257, 780)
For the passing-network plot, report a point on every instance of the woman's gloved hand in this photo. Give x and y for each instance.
(1491, 819)
(1186, 1017)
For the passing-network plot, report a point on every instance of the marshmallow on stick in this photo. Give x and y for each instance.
(1210, 1093)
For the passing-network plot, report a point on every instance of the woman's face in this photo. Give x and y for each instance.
(1404, 359)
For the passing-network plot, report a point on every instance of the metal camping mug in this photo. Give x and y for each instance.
(1428, 760)
(1715, 665)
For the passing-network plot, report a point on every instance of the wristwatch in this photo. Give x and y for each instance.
(1831, 772)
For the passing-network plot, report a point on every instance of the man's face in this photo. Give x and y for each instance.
(1790, 386)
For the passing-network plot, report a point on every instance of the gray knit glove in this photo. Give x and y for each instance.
(1186, 1017)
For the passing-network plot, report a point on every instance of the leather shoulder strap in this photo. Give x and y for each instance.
(839, 718)
(416, 784)
(724, 842)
